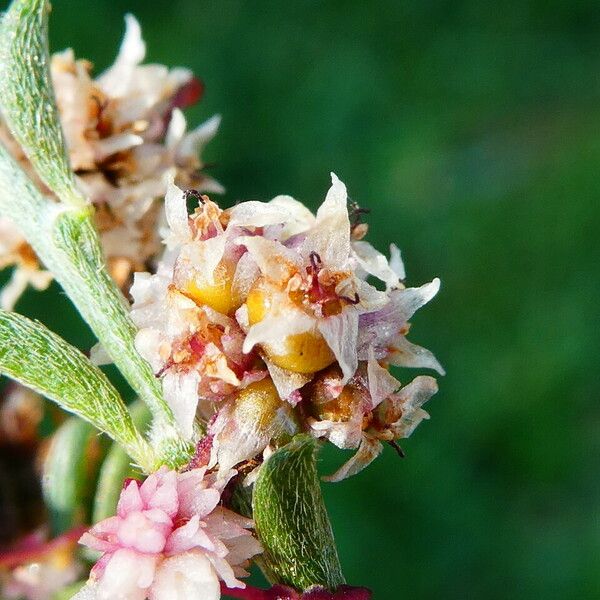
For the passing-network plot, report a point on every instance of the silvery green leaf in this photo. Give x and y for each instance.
(83, 275)
(65, 474)
(27, 96)
(41, 360)
(291, 519)
(67, 243)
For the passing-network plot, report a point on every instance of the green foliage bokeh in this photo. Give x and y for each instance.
(471, 132)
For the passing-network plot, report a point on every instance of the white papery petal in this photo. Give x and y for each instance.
(370, 448)
(210, 186)
(300, 218)
(199, 260)
(257, 214)
(341, 333)
(381, 382)
(193, 143)
(396, 263)
(243, 432)
(286, 381)
(14, 289)
(99, 356)
(411, 398)
(275, 328)
(405, 354)
(246, 274)
(409, 300)
(181, 393)
(115, 80)
(343, 434)
(186, 576)
(115, 143)
(382, 328)
(375, 263)
(272, 258)
(177, 216)
(330, 235)
(176, 129)
(226, 573)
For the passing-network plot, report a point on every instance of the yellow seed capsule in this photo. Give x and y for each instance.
(217, 294)
(258, 402)
(305, 352)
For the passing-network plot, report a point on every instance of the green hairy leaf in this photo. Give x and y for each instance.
(41, 360)
(67, 242)
(27, 96)
(102, 305)
(292, 522)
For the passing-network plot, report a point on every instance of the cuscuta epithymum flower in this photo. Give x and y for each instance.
(125, 135)
(170, 540)
(264, 320)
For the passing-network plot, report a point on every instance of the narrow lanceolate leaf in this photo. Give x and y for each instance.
(67, 243)
(80, 269)
(292, 522)
(65, 472)
(41, 360)
(27, 96)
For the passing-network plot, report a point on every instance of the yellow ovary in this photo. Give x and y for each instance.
(217, 294)
(259, 402)
(305, 352)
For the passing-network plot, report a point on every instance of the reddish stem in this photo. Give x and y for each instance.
(32, 547)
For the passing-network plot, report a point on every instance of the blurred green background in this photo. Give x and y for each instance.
(472, 131)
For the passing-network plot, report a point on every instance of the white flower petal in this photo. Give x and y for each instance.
(193, 143)
(287, 382)
(381, 382)
(272, 258)
(396, 263)
(181, 393)
(177, 216)
(199, 260)
(300, 218)
(370, 448)
(257, 214)
(341, 333)
(99, 356)
(405, 354)
(330, 235)
(409, 300)
(176, 129)
(116, 143)
(87, 592)
(115, 80)
(275, 328)
(410, 399)
(375, 263)
(186, 576)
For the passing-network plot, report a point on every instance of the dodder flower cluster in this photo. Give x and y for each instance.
(124, 131)
(262, 322)
(169, 539)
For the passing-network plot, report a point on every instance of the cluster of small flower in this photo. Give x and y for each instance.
(124, 131)
(262, 321)
(262, 324)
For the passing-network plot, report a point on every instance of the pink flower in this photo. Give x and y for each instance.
(169, 540)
